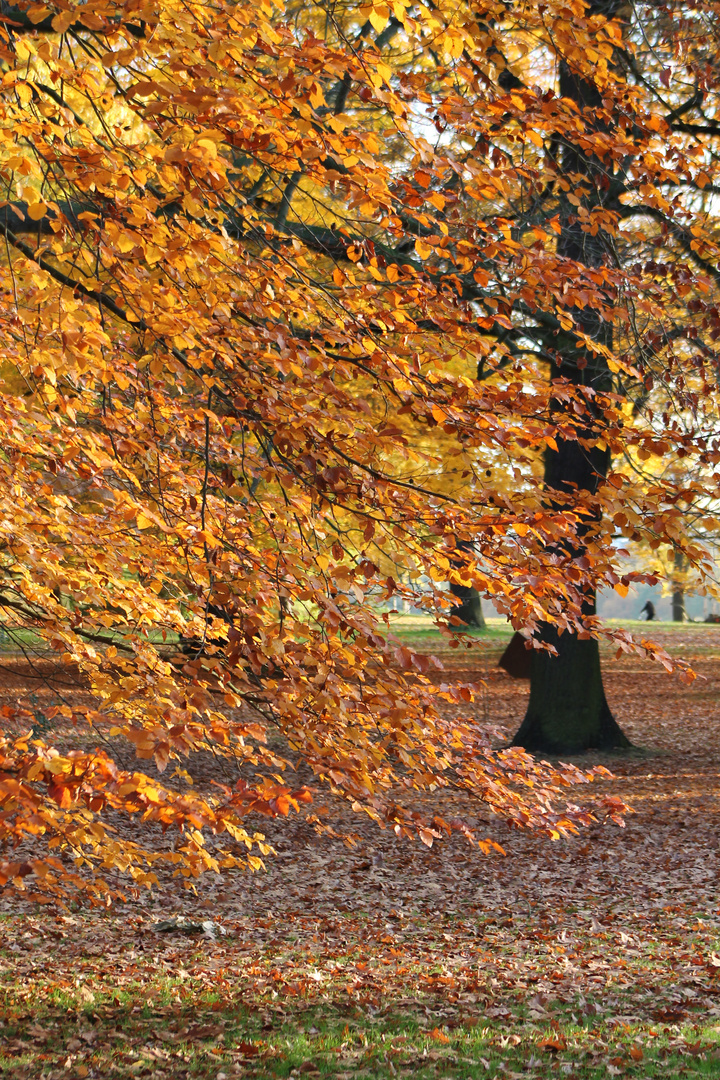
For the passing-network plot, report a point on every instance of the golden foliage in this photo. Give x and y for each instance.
(254, 258)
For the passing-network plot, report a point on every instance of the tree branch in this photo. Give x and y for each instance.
(684, 237)
(21, 23)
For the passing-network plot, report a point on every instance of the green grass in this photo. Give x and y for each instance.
(422, 629)
(411, 627)
(681, 640)
(171, 1028)
(442, 998)
(496, 625)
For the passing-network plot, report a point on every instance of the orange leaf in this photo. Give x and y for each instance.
(554, 1044)
(61, 794)
(37, 13)
(63, 21)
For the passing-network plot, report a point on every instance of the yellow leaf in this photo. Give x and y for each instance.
(453, 44)
(209, 146)
(144, 522)
(379, 18)
(316, 96)
(534, 137)
(37, 210)
(621, 589)
(423, 249)
(125, 242)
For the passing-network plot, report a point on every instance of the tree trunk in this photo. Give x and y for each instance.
(568, 711)
(678, 604)
(470, 607)
(678, 596)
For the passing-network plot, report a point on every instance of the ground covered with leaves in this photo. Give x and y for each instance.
(591, 957)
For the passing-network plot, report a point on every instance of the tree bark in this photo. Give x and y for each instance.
(470, 607)
(568, 711)
(678, 604)
(678, 595)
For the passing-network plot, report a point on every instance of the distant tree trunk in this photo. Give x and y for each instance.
(568, 711)
(470, 607)
(678, 596)
(469, 610)
(678, 605)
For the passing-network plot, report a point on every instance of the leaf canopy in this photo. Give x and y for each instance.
(279, 296)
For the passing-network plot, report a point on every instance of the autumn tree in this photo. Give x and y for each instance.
(267, 270)
(588, 193)
(568, 709)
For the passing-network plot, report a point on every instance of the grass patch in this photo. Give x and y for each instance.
(356, 1001)
(174, 1029)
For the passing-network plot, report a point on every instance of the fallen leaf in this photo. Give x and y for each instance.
(554, 1043)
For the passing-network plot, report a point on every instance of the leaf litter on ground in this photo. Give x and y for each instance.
(594, 956)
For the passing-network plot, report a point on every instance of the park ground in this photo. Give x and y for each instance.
(592, 957)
